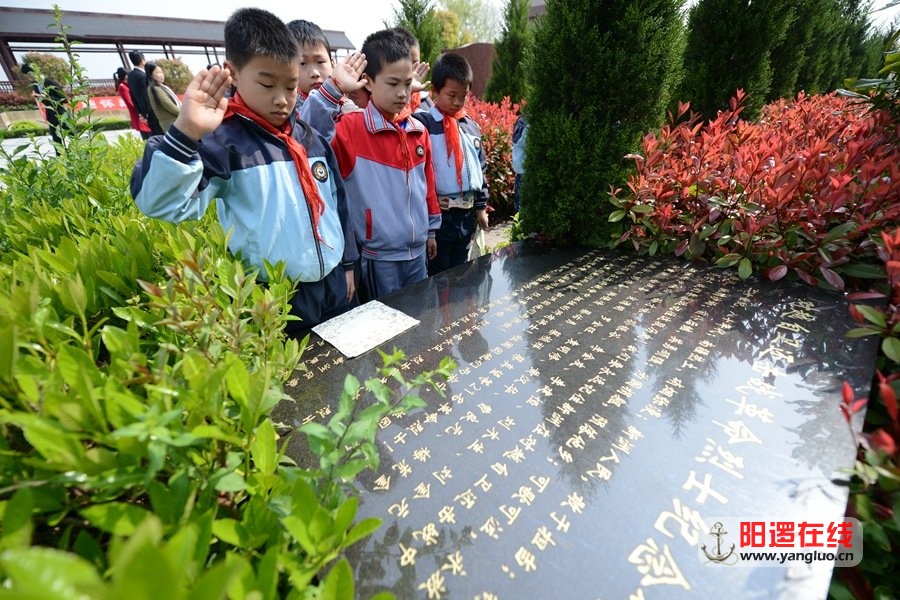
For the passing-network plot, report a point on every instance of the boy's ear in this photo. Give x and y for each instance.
(230, 67)
(368, 80)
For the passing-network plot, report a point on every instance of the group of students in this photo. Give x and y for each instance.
(346, 172)
(152, 105)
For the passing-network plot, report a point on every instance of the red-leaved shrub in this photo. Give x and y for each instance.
(806, 189)
(496, 122)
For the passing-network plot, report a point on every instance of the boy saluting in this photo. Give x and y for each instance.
(385, 160)
(274, 179)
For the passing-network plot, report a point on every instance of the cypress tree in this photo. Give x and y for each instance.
(729, 47)
(601, 74)
(419, 18)
(838, 48)
(507, 77)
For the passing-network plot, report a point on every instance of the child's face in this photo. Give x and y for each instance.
(315, 67)
(390, 88)
(268, 87)
(452, 97)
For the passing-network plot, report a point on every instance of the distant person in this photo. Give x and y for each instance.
(138, 123)
(520, 131)
(137, 84)
(385, 161)
(419, 99)
(164, 102)
(273, 179)
(48, 93)
(459, 162)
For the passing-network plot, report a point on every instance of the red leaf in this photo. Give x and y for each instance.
(848, 393)
(889, 398)
(882, 440)
(858, 405)
(777, 273)
(864, 296)
(833, 278)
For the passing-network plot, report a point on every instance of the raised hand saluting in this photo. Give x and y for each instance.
(204, 104)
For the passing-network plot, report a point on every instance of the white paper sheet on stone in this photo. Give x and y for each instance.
(363, 328)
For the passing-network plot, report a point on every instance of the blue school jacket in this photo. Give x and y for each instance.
(250, 175)
(474, 160)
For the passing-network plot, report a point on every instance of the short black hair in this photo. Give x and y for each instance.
(382, 48)
(120, 74)
(26, 68)
(451, 66)
(135, 57)
(253, 32)
(308, 33)
(411, 40)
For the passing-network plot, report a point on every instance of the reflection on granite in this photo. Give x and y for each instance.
(605, 408)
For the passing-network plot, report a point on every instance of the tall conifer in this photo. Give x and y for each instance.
(601, 74)
(507, 74)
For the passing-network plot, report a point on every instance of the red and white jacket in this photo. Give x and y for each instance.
(389, 180)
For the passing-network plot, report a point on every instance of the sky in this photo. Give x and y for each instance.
(356, 18)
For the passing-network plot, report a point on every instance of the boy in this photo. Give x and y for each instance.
(385, 160)
(325, 89)
(419, 100)
(459, 162)
(273, 178)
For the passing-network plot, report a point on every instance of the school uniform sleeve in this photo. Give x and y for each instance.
(343, 149)
(321, 110)
(351, 251)
(434, 208)
(178, 177)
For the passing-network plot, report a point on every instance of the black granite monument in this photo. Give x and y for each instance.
(607, 413)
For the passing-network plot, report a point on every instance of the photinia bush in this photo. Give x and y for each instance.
(807, 190)
(496, 122)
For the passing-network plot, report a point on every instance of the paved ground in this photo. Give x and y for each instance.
(41, 145)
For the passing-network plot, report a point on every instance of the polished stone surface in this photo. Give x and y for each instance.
(606, 410)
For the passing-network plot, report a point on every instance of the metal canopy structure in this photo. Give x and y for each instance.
(123, 32)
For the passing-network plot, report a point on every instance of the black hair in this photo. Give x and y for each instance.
(135, 57)
(382, 48)
(120, 75)
(411, 40)
(149, 68)
(26, 68)
(253, 32)
(308, 33)
(451, 66)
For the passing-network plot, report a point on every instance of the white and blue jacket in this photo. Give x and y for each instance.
(251, 176)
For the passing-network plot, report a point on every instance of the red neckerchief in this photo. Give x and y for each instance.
(236, 106)
(415, 100)
(451, 137)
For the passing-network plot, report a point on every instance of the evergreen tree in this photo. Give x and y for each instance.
(729, 47)
(507, 77)
(601, 74)
(839, 46)
(419, 18)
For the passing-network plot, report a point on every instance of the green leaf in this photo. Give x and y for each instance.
(214, 582)
(361, 530)
(117, 518)
(39, 572)
(616, 216)
(263, 448)
(859, 332)
(642, 209)
(345, 514)
(872, 315)
(862, 270)
(17, 525)
(231, 482)
(745, 269)
(891, 348)
(339, 582)
(300, 532)
(230, 531)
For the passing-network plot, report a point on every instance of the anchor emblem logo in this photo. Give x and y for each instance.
(718, 531)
